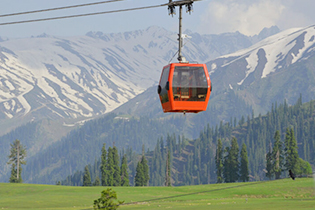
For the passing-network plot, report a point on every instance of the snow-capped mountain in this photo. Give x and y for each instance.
(81, 77)
(276, 68)
(84, 76)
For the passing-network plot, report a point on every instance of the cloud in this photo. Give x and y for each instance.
(246, 16)
(297, 14)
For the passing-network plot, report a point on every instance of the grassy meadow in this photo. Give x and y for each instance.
(279, 194)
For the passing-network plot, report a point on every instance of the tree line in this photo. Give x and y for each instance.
(231, 164)
(194, 161)
(284, 157)
(109, 172)
(81, 147)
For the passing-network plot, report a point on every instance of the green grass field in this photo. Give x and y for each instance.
(280, 194)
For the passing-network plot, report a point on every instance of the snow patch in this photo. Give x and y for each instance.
(271, 55)
(272, 46)
(252, 62)
(13, 103)
(24, 103)
(9, 85)
(81, 122)
(308, 42)
(6, 105)
(8, 115)
(213, 66)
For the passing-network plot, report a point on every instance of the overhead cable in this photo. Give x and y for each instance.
(176, 3)
(81, 15)
(59, 8)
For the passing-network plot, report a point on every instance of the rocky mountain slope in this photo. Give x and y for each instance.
(77, 78)
(68, 80)
(277, 68)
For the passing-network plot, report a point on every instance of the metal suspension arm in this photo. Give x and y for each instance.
(171, 11)
(180, 39)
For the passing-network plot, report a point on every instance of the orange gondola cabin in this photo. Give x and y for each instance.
(184, 88)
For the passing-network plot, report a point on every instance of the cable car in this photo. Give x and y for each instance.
(184, 88)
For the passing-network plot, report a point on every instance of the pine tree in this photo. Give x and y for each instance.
(145, 168)
(242, 121)
(139, 178)
(227, 166)
(97, 181)
(110, 167)
(16, 157)
(234, 155)
(95, 170)
(168, 170)
(176, 179)
(277, 156)
(116, 174)
(13, 178)
(104, 166)
(219, 161)
(231, 162)
(124, 172)
(269, 172)
(244, 174)
(291, 151)
(86, 177)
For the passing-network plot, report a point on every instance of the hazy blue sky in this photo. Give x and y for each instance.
(209, 16)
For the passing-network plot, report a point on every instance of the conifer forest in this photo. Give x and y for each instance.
(250, 149)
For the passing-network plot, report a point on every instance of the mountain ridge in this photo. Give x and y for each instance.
(228, 99)
(285, 58)
(79, 77)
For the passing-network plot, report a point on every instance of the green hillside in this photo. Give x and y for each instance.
(280, 194)
(193, 161)
(82, 146)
